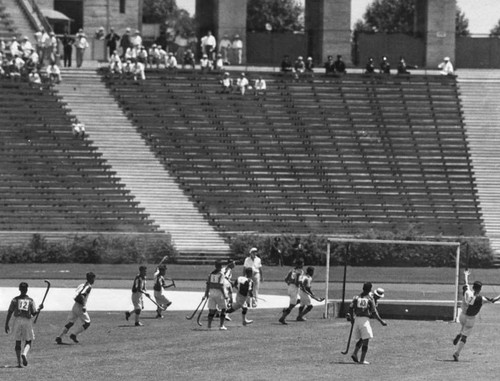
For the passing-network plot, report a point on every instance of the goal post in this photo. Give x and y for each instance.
(451, 245)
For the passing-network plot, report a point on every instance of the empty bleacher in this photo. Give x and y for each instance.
(329, 155)
(50, 180)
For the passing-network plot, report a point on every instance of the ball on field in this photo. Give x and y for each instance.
(406, 310)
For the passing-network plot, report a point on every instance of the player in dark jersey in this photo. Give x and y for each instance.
(244, 287)
(79, 310)
(23, 309)
(292, 281)
(361, 309)
(138, 290)
(217, 294)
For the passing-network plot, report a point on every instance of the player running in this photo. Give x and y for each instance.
(305, 293)
(472, 302)
(23, 309)
(158, 288)
(244, 286)
(216, 292)
(292, 280)
(138, 290)
(361, 309)
(79, 310)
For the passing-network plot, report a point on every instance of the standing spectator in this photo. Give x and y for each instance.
(192, 42)
(260, 86)
(112, 39)
(292, 281)
(14, 48)
(136, 39)
(53, 50)
(39, 43)
(370, 66)
(188, 59)
(125, 42)
(297, 248)
(361, 309)
(208, 45)
(216, 292)
(81, 44)
(23, 309)
(238, 49)
(67, 43)
(54, 73)
(276, 252)
(329, 66)
(100, 34)
(286, 65)
(340, 65)
(25, 47)
(244, 287)
(385, 66)
(138, 290)
(242, 84)
(182, 44)
(224, 48)
(158, 287)
(253, 262)
(446, 67)
(79, 310)
(45, 47)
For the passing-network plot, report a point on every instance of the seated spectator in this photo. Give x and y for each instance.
(54, 73)
(340, 65)
(299, 66)
(34, 78)
(32, 61)
(78, 129)
(403, 66)
(154, 56)
(219, 63)
(205, 63)
(25, 47)
(138, 71)
(242, 84)
(385, 66)
(142, 55)
(131, 53)
(309, 66)
(446, 67)
(128, 69)
(286, 65)
(260, 86)
(370, 66)
(115, 63)
(329, 66)
(14, 48)
(188, 59)
(171, 62)
(226, 83)
(16, 66)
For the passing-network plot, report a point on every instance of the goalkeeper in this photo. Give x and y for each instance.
(305, 294)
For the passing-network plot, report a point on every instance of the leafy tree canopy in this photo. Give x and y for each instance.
(281, 15)
(166, 12)
(495, 31)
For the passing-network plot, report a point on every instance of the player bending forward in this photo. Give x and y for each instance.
(472, 302)
(305, 293)
(23, 309)
(244, 287)
(361, 309)
(158, 288)
(79, 310)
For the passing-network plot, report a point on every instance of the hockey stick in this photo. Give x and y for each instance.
(196, 310)
(313, 296)
(349, 339)
(201, 312)
(154, 302)
(171, 284)
(43, 300)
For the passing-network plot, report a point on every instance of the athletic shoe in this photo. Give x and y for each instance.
(227, 318)
(364, 363)
(282, 321)
(455, 356)
(247, 322)
(127, 315)
(456, 340)
(222, 328)
(73, 337)
(355, 358)
(58, 340)
(159, 316)
(301, 318)
(25, 360)
(138, 324)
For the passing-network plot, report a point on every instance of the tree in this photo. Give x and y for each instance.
(398, 16)
(281, 15)
(495, 31)
(166, 12)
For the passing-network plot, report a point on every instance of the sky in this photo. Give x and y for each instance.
(482, 14)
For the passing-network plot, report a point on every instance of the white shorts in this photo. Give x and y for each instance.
(161, 299)
(216, 299)
(23, 329)
(305, 299)
(137, 300)
(293, 293)
(362, 328)
(77, 313)
(467, 323)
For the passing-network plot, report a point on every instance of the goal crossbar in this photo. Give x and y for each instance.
(455, 245)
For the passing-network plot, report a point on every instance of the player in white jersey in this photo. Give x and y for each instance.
(138, 290)
(23, 309)
(472, 302)
(158, 288)
(244, 287)
(292, 281)
(216, 292)
(305, 293)
(79, 310)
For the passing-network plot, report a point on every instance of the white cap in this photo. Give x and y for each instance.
(253, 250)
(446, 58)
(379, 292)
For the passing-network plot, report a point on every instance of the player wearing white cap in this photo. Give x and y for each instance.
(253, 262)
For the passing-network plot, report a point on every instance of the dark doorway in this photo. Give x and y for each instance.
(74, 10)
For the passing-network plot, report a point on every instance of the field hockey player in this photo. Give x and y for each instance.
(244, 287)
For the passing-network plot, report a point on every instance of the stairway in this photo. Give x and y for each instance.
(142, 173)
(480, 90)
(19, 19)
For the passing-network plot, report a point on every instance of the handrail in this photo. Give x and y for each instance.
(35, 16)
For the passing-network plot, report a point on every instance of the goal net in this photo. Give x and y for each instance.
(415, 287)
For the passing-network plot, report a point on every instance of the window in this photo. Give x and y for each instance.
(122, 6)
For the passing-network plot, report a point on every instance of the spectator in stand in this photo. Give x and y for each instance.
(385, 66)
(171, 63)
(14, 47)
(260, 86)
(131, 53)
(310, 66)
(67, 43)
(286, 65)
(2, 45)
(242, 84)
(16, 66)
(81, 44)
(78, 129)
(219, 63)
(25, 47)
(45, 46)
(224, 48)
(142, 55)
(100, 34)
(53, 50)
(192, 42)
(329, 66)
(370, 66)
(115, 63)
(34, 78)
(54, 73)
(32, 61)
(238, 49)
(208, 45)
(205, 64)
(182, 44)
(226, 83)
(403, 67)
(112, 39)
(125, 42)
(136, 39)
(38, 43)
(154, 56)
(127, 68)
(340, 65)
(188, 59)
(446, 67)
(138, 71)
(299, 67)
